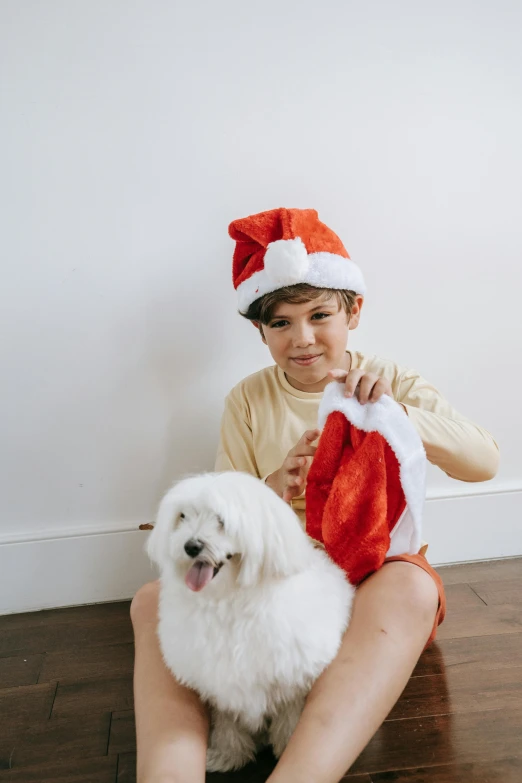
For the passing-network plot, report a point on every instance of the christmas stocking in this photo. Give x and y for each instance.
(366, 485)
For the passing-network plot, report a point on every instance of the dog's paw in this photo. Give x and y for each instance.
(283, 725)
(219, 761)
(230, 746)
(216, 761)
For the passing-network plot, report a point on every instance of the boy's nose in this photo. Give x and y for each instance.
(304, 337)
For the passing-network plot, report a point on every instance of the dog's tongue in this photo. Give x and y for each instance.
(199, 575)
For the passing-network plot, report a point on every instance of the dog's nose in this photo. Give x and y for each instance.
(193, 547)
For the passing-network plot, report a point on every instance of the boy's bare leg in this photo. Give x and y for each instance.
(393, 614)
(171, 722)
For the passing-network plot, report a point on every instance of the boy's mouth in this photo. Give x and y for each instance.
(304, 361)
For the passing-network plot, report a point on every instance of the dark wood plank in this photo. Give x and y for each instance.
(116, 610)
(126, 768)
(20, 670)
(96, 770)
(82, 629)
(60, 740)
(477, 653)
(459, 690)
(87, 696)
(481, 621)
(115, 660)
(477, 737)
(432, 660)
(461, 596)
(26, 705)
(483, 571)
(504, 771)
(505, 591)
(123, 732)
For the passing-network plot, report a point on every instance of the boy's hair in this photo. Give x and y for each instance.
(262, 309)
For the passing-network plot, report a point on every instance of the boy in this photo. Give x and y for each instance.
(299, 287)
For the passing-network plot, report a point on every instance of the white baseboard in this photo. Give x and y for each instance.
(470, 527)
(84, 566)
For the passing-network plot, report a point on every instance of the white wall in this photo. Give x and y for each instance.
(131, 133)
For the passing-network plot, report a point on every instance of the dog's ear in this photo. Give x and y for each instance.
(158, 542)
(275, 544)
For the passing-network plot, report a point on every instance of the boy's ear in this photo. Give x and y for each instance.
(258, 326)
(355, 315)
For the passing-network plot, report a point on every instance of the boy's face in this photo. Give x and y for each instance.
(307, 340)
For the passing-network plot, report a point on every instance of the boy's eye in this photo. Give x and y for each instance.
(284, 322)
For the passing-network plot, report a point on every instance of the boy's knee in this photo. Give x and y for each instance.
(419, 595)
(144, 605)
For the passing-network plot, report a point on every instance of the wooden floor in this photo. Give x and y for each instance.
(66, 695)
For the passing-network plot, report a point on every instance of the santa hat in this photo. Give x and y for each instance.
(366, 485)
(284, 247)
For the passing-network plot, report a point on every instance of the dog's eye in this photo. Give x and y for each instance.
(221, 522)
(181, 516)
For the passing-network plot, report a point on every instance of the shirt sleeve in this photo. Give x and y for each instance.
(462, 449)
(236, 447)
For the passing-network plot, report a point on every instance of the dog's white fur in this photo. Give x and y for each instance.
(255, 638)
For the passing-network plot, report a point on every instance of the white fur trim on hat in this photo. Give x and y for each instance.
(324, 270)
(388, 418)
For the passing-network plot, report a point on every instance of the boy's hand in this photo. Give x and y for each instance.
(289, 480)
(366, 386)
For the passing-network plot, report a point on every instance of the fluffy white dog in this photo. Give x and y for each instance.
(250, 611)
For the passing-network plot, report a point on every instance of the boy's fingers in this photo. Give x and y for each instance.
(303, 447)
(305, 451)
(366, 387)
(380, 388)
(293, 479)
(288, 495)
(294, 463)
(352, 380)
(309, 436)
(299, 465)
(292, 489)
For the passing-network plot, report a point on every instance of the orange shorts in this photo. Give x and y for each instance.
(420, 560)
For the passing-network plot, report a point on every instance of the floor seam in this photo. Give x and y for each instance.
(478, 596)
(109, 735)
(53, 700)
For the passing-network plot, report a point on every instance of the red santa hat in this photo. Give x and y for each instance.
(366, 485)
(284, 247)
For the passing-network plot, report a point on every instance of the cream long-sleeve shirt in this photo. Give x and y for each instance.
(265, 416)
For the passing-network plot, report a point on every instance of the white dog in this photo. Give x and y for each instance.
(250, 611)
